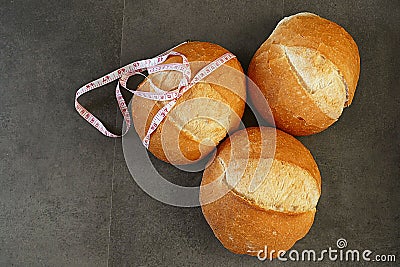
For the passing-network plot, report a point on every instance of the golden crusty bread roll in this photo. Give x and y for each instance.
(202, 117)
(275, 213)
(308, 71)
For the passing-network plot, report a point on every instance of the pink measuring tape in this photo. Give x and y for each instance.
(152, 65)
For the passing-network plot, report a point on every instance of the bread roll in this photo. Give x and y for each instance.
(308, 71)
(280, 210)
(202, 117)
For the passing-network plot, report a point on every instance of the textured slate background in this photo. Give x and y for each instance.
(67, 197)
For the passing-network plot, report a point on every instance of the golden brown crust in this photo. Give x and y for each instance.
(296, 113)
(241, 225)
(245, 229)
(264, 142)
(293, 108)
(181, 146)
(291, 150)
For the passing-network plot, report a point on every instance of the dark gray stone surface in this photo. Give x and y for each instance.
(55, 169)
(67, 197)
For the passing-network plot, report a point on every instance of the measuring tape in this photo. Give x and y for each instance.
(152, 65)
